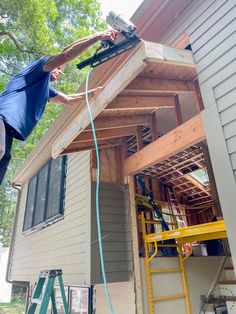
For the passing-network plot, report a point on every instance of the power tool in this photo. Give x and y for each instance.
(109, 50)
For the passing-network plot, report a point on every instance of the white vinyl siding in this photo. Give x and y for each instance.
(64, 244)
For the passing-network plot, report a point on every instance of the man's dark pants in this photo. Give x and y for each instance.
(6, 140)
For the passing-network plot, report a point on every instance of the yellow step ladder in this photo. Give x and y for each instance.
(149, 272)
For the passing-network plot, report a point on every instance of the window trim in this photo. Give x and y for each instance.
(56, 217)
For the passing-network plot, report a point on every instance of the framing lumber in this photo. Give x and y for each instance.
(161, 85)
(141, 102)
(77, 147)
(105, 134)
(182, 137)
(120, 122)
(117, 83)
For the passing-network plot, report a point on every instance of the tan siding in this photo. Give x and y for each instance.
(122, 296)
(64, 244)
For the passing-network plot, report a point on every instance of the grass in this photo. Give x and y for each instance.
(15, 307)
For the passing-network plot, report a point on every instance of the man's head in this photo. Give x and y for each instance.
(56, 73)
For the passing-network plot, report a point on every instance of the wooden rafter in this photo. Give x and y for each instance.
(120, 121)
(140, 102)
(105, 134)
(161, 85)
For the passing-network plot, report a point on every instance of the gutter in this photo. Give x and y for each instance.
(20, 283)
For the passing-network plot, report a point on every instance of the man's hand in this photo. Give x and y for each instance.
(109, 34)
(93, 92)
(75, 99)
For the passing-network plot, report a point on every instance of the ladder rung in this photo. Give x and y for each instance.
(165, 270)
(171, 297)
(36, 301)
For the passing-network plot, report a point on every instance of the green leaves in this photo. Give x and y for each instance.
(30, 29)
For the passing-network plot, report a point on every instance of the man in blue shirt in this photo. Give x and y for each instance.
(23, 102)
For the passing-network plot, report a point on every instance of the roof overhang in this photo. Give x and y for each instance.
(151, 77)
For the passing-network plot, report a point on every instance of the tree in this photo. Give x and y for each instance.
(30, 29)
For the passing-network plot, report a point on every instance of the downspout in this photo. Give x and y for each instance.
(21, 283)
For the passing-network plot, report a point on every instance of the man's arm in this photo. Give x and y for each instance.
(73, 99)
(76, 48)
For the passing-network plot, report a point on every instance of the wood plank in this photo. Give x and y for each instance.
(161, 85)
(120, 121)
(105, 134)
(185, 135)
(72, 148)
(159, 53)
(139, 137)
(117, 83)
(125, 102)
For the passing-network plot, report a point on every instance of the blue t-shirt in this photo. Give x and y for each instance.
(24, 99)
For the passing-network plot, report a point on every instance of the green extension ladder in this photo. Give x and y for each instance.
(47, 277)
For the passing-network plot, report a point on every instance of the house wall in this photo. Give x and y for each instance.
(122, 298)
(116, 235)
(199, 270)
(211, 26)
(64, 244)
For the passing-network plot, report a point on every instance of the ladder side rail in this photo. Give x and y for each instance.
(36, 294)
(147, 267)
(47, 295)
(63, 294)
(53, 299)
(184, 279)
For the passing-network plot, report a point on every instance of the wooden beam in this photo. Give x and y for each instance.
(77, 147)
(120, 122)
(161, 85)
(182, 137)
(198, 97)
(141, 102)
(134, 65)
(168, 55)
(105, 134)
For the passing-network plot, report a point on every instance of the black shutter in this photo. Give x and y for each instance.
(29, 211)
(41, 195)
(56, 188)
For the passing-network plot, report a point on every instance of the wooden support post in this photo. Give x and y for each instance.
(154, 127)
(178, 114)
(135, 247)
(139, 138)
(198, 97)
(119, 164)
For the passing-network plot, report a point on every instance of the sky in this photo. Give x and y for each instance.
(125, 7)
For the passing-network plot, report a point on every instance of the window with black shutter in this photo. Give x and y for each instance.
(45, 197)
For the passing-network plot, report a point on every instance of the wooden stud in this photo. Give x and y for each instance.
(198, 97)
(178, 114)
(139, 137)
(154, 128)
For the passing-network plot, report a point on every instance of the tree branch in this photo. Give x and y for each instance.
(13, 38)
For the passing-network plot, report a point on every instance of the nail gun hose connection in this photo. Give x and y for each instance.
(97, 199)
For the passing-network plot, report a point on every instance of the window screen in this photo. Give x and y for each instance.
(45, 194)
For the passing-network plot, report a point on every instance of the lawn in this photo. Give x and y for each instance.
(15, 307)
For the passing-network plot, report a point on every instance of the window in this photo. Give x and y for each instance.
(45, 194)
